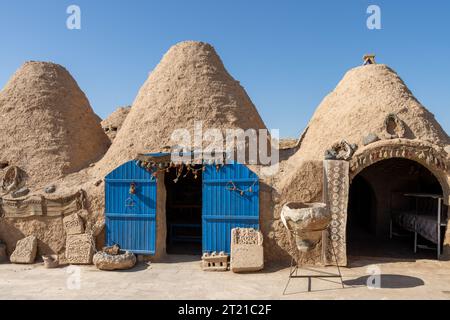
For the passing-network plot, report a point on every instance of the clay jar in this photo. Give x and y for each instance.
(305, 222)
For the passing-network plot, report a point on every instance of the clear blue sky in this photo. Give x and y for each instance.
(287, 54)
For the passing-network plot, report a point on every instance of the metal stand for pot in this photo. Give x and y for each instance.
(295, 266)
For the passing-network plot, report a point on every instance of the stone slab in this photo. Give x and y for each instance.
(247, 251)
(79, 249)
(25, 251)
(73, 224)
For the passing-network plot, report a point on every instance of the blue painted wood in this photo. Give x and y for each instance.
(223, 209)
(131, 218)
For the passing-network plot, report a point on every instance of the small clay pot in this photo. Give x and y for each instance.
(51, 261)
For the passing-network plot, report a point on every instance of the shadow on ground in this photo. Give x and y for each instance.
(388, 281)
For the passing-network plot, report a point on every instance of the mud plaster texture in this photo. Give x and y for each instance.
(50, 131)
(49, 232)
(305, 186)
(113, 123)
(359, 105)
(48, 126)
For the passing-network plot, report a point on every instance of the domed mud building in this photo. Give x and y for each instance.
(48, 131)
(113, 123)
(380, 161)
(371, 152)
(184, 207)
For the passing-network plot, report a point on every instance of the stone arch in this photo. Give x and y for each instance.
(424, 154)
(420, 152)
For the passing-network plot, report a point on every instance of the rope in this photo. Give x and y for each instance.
(231, 186)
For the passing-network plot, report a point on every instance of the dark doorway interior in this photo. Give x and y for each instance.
(184, 211)
(376, 195)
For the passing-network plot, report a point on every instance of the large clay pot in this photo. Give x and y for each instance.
(305, 222)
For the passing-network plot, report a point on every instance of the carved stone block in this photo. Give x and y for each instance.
(79, 249)
(247, 252)
(73, 224)
(25, 251)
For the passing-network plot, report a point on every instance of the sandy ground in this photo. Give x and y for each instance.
(181, 278)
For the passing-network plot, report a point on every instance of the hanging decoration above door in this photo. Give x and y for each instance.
(231, 186)
(163, 163)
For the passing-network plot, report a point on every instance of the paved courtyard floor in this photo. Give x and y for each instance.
(180, 277)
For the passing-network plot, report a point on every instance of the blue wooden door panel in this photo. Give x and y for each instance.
(131, 218)
(225, 209)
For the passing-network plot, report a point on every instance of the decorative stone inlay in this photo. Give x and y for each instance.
(336, 192)
(422, 154)
(22, 192)
(50, 189)
(394, 127)
(341, 151)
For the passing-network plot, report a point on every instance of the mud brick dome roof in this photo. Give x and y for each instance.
(189, 84)
(113, 123)
(48, 127)
(358, 107)
(360, 104)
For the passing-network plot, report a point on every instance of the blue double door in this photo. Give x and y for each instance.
(230, 199)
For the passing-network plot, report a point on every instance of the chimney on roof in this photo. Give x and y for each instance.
(369, 59)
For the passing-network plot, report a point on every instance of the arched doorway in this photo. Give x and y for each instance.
(383, 194)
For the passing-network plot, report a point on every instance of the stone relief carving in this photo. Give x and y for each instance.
(79, 249)
(394, 127)
(341, 151)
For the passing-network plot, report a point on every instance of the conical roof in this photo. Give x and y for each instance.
(356, 109)
(47, 126)
(189, 84)
(359, 106)
(113, 123)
